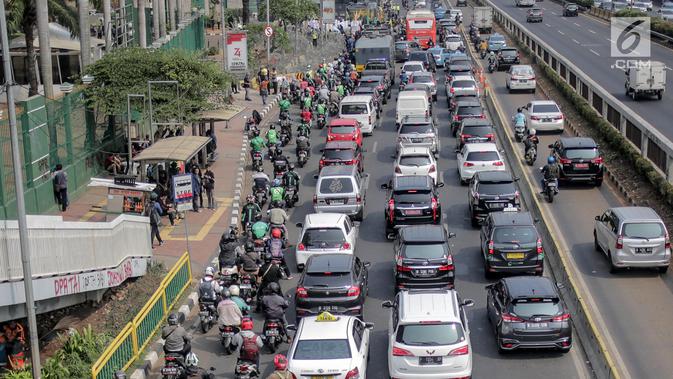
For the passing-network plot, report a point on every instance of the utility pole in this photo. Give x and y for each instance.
(84, 34)
(223, 6)
(155, 20)
(142, 24)
(20, 200)
(268, 39)
(45, 47)
(107, 24)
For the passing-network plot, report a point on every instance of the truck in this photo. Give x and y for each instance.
(646, 78)
(483, 19)
(373, 47)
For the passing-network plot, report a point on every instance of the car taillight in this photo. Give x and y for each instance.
(468, 164)
(482, 116)
(564, 161)
(330, 137)
(358, 199)
(620, 242)
(398, 170)
(559, 117)
(445, 268)
(432, 168)
(667, 240)
(539, 246)
(301, 293)
(453, 90)
(460, 351)
(391, 209)
(499, 163)
(563, 317)
(434, 208)
(598, 160)
(508, 317)
(345, 246)
(301, 247)
(272, 325)
(354, 291)
(490, 247)
(535, 118)
(456, 118)
(399, 352)
(490, 136)
(354, 136)
(321, 163)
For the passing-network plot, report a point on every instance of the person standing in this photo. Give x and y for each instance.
(60, 179)
(209, 186)
(155, 220)
(264, 89)
(200, 175)
(196, 189)
(246, 86)
(274, 80)
(314, 37)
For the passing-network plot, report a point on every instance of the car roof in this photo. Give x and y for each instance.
(323, 220)
(483, 146)
(636, 213)
(543, 102)
(463, 77)
(467, 103)
(428, 305)
(578, 142)
(423, 233)
(421, 73)
(494, 176)
(337, 170)
(340, 145)
(343, 122)
(410, 182)
(405, 94)
(416, 87)
(373, 78)
(530, 286)
(414, 150)
(310, 329)
(320, 263)
(356, 99)
(512, 218)
(521, 66)
(412, 62)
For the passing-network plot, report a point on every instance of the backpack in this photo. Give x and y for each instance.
(276, 247)
(206, 291)
(249, 349)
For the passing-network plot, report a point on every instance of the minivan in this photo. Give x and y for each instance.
(411, 103)
(361, 108)
(341, 189)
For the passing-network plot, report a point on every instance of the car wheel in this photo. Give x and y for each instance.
(597, 247)
(613, 268)
(662, 270)
(564, 351)
(474, 221)
(539, 273)
(599, 182)
(532, 91)
(487, 274)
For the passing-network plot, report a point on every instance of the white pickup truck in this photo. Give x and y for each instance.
(646, 79)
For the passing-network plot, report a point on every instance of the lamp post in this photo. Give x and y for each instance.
(67, 88)
(268, 39)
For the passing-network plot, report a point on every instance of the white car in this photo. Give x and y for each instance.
(666, 14)
(429, 336)
(477, 157)
(409, 67)
(544, 115)
(451, 14)
(325, 233)
(520, 77)
(327, 346)
(453, 42)
(416, 161)
(641, 6)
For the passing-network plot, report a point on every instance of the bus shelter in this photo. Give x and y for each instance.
(175, 149)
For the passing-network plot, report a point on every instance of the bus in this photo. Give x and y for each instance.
(421, 27)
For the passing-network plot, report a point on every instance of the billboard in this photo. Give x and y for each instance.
(237, 52)
(328, 11)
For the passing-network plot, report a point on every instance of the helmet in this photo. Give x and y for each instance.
(250, 198)
(210, 271)
(280, 362)
(275, 233)
(551, 160)
(247, 324)
(172, 319)
(272, 126)
(191, 360)
(518, 110)
(320, 65)
(276, 183)
(267, 257)
(234, 290)
(274, 288)
(531, 132)
(290, 166)
(225, 293)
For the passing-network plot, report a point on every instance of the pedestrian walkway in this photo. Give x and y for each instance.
(205, 227)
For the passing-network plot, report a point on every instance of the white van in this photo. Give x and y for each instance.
(362, 109)
(411, 103)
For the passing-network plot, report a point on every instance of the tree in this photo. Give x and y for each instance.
(127, 71)
(22, 19)
(291, 11)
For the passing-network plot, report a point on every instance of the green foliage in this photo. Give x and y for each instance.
(584, 3)
(291, 11)
(280, 41)
(23, 374)
(127, 71)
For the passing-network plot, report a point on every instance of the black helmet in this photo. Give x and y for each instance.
(268, 257)
(274, 288)
(172, 319)
(225, 293)
(290, 166)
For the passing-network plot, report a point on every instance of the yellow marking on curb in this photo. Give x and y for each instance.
(224, 204)
(88, 215)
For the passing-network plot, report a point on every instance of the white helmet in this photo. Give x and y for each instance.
(191, 360)
(210, 271)
(234, 290)
(531, 132)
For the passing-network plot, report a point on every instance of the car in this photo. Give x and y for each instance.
(382, 67)
(344, 129)
(440, 54)
(362, 108)
(579, 160)
(377, 82)
(440, 11)
(520, 77)
(451, 15)
(507, 56)
(425, 78)
(425, 57)
(461, 86)
(328, 344)
(632, 237)
(491, 191)
(527, 312)
(403, 48)
(419, 87)
(411, 200)
(465, 109)
(418, 131)
(413, 160)
(453, 102)
(571, 10)
(476, 157)
(341, 189)
(423, 258)
(640, 6)
(335, 283)
(648, 4)
(618, 6)
(376, 95)
(496, 42)
(454, 42)
(323, 233)
(341, 153)
(457, 65)
(534, 15)
(461, 3)
(607, 5)
(666, 13)
(475, 130)
(446, 24)
(524, 3)
(544, 115)
(429, 335)
(409, 67)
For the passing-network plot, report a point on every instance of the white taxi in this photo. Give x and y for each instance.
(330, 347)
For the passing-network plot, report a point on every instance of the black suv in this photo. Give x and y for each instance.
(465, 109)
(426, 57)
(423, 258)
(510, 243)
(472, 130)
(335, 283)
(491, 191)
(412, 200)
(579, 160)
(571, 9)
(528, 313)
(507, 56)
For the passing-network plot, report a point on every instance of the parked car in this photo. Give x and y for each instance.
(323, 233)
(579, 159)
(411, 200)
(341, 189)
(423, 258)
(491, 191)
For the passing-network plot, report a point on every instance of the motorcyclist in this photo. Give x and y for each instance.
(280, 164)
(230, 249)
(235, 292)
(341, 90)
(321, 109)
(491, 58)
(270, 272)
(274, 306)
(303, 143)
(306, 116)
(291, 178)
(304, 129)
(260, 182)
(278, 218)
(277, 193)
(229, 313)
(324, 93)
(274, 246)
(257, 144)
(247, 343)
(307, 101)
(208, 286)
(551, 171)
(177, 340)
(531, 141)
(281, 372)
(271, 136)
(519, 118)
(259, 230)
(284, 105)
(483, 46)
(250, 212)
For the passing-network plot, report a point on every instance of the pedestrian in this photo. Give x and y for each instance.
(209, 186)
(196, 189)
(60, 180)
(155, 220)
(264, 90)
(314, 37)
(16, 342)
(246, 86)
(199, 174)
(274, 80)
(234, 85)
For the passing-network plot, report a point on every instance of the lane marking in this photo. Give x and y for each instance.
(561, 33)
(554, 13)
(376, 143)
(547, 25)
(591, 31)
(576, 24)
(223, 205)
(594, 52)
(576, 41)
(609, 40)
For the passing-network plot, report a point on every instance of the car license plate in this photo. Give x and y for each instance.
(500, 204)
(536, 325)
(515, 255)
(424, 272)
(322, 377)
(328, 308)
(546, 120)
(417, 140)
(271, 332)
(643, 250)
(581, 166)
(245, 286)
(169, 371)
(336, 202)
(204, 313)
(412, 212)
(523, 80)
(429, 360)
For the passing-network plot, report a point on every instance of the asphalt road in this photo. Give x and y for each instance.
(635, 305)
(586, 41)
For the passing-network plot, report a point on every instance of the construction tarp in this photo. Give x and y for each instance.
(180, 149)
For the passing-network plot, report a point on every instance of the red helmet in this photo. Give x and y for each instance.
(280, 362)
(247, 324)
(275, 233)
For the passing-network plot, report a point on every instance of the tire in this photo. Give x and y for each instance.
(613, 269)
(204, 326)
(662, 270)
(539, 273)
(599, 182)
(597, 247)
(660, 95)
(564, 351)
(474, 222)
(532, 91)
(487, 274)
(272, 345)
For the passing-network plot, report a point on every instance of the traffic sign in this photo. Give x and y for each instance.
(268, 31)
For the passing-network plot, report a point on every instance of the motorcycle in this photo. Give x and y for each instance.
(257, 159)
(279, 169)
(519, 132)
(302, 158)
(491, 66)
(248, 288)
(227, 334)
(260, 196)
(284, 137)
(245, 370)
(483, 54)
(207, 315)
(333, 108)
(274, 151)
(531, 155)
(321, 121)
(550, 189)
(174, 366)
(271, 334)
(228, 276)
(291, 196)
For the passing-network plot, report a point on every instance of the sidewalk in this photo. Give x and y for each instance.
(204, 228)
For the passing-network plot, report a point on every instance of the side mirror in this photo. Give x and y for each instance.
(597, 218)
(516, 178)
(551, 146)
(369, 325)
(467, 303)
(439, 185)
(488, 287)
(387, 304)
(368, 264)
(452, 234)
(315, 176)
(457, 151)
(291, 327)
(536, 220)
(299, 225)
(385, 186)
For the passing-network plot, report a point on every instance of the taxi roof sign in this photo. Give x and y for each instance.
(326, 317)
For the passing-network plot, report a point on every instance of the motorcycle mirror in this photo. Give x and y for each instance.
(369, 325)
(387, 304)
(299, 225)
(551, 146)
(315, 176)
(291, 327)
(439, 185)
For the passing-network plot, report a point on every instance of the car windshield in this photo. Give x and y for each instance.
(415, 128)
(469, 110)
(522, 71)
(571, 7)
(496, 39)
(509, 53)
(644, 230)
(415, 160)
(480, 131)
(342, 129)
(341, 155)
(581, 153)
(667, 11)
(322, 349)
(412, 196)
(515, 234)
(425, 251)
(536, 307)
(496, 188)
(422, 79)
(401, 45)
(323, 237)
(545, 108)
(336, 185)
(462, 84)
(351, 109)
(483, 156)
(413, 67)
(430, 334)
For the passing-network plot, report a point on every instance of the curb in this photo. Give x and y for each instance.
(269, 105)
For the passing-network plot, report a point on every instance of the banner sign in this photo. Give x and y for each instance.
(237, 52)
(182, 192)
(328, 11)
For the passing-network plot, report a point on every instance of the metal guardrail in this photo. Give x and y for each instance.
(137, 334)
(651, 143)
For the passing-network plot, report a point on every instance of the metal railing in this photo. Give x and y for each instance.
(137, 334)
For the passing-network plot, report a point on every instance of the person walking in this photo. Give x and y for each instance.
(246, 86)
(264, 89)
(60, 180)
(274, 80)
(196, 189)
(155, 220)
(209, 186)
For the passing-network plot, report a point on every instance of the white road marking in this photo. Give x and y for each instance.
(376, 143)
(609, 40)
(561, 33)
(576, 24)
(594, 52)
(554, 13)
(576, 41)
(547, 25)
(591, 31)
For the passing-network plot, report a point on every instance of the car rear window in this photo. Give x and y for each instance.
(338, 154)
(453, 38)
(422, 79)
(430, 334)
(420, 56)
(329, 279)
(462, 83)
(497, 39)
(375, 66)
(418, 251)
(369, 83)
(342, 129)
(354, 108)
(581, 153)
(496, 188)
(536, 307)
(515, 234)
(643, 230)
(323, 237)
(336, 185)
(364, 90)
(545, 108)
(480, 131)
(415, 128)
(469, 110)
(482, 156)
(415, 160)
(413, 67)
(508, 52)
(322, 349)
(412, 196)
(460, 61)
(522, 71)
